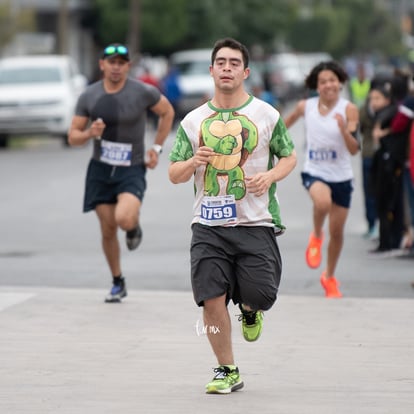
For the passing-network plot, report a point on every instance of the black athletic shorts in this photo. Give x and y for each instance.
(242, 262)
(104, 182)
(340, 192)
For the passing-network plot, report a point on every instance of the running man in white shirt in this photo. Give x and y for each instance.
(236, 148)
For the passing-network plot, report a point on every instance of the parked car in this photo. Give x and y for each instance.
(308, 60)
(38, 95)
(289, 70)
(286, 77)
(194, 79)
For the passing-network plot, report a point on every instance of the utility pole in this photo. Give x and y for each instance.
(134, 32)
(63, 27)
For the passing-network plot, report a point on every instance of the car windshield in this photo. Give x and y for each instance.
(29, 75)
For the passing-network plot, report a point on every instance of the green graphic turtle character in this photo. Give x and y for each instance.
(230, 135)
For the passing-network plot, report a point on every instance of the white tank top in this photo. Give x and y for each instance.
(327, 156)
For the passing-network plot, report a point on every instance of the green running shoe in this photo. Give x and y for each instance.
(252, 324)
(225, 381)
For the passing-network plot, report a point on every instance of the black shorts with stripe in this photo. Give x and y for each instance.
(241, 262)
(105, 182)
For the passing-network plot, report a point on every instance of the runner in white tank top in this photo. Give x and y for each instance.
(327, 156)
(331, 123)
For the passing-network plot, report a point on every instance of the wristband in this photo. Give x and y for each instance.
(157, 148)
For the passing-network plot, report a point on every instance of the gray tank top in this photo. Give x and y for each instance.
(124, 114)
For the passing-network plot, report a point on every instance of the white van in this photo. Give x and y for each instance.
(38, 95)
(195, 81)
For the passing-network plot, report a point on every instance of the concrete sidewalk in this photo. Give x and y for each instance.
(65, 351)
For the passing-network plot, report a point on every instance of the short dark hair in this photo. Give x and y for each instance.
(232, 44)
(385, 88)
(311, 80)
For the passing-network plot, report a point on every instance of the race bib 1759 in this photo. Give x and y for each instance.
(217, 211)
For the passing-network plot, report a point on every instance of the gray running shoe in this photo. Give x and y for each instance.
(116, 293)
(134, 238)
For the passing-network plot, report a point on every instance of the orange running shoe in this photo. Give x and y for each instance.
(331, 286)
(313, 251)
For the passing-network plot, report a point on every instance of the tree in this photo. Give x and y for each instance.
(134, 34)
(250, 21)
(162, 23)
(63, 27)
(336, 26)
(7, 29)
(13, 21)
(168, 25)
(347, 27)
(111, 23)
(165, 24)
(373, 29)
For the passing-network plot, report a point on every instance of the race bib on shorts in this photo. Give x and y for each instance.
(116, 153)
(218, 211)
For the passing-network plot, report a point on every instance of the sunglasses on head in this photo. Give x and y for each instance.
(111, 50)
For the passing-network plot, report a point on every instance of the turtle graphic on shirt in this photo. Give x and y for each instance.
(232, 136)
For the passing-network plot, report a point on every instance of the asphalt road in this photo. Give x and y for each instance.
(48, 241)
(62, 350)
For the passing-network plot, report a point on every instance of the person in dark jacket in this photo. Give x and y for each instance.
(387, 168)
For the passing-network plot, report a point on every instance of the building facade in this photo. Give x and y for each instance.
(61, 26)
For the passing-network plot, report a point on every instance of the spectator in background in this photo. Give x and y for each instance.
(366, 126)
(150, 79)
(359, 86)
(259, 90)
(387, 168)
(171, 89)
(368, 148)
(402, 123)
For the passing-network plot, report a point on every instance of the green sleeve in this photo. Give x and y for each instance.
(182, 149)
(281, 144)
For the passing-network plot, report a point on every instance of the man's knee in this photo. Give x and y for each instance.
(214, 307)
(259, 301)
(214, 303)
(126, 222)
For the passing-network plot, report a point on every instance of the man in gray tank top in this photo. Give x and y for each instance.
(112, 113)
